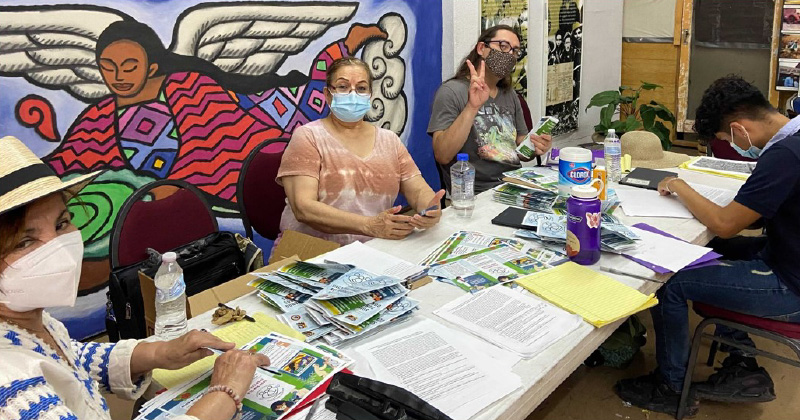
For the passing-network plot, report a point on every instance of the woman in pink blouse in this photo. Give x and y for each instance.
(342, 174)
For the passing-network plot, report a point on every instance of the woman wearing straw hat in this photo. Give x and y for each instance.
(43, 373)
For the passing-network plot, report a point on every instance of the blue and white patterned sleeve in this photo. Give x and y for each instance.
(110, 365)
(32, 398)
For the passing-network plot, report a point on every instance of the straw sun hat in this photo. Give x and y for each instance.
(646, 152)
(24, 178)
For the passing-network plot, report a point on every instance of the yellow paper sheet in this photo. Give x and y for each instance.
(685, 165)
(599, 299)
(241, 333)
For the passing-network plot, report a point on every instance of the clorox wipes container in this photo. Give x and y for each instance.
(574, 168)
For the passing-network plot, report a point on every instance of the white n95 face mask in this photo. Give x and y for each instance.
(46, 277)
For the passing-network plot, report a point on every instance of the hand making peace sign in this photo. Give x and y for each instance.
(478, 89)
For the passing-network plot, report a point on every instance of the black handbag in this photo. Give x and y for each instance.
(206, 263)
(357, 398)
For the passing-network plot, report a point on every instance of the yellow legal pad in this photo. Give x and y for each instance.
(241, 333)
(685, 165)
(599, 299)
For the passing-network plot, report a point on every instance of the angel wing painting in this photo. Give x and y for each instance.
(191, 111)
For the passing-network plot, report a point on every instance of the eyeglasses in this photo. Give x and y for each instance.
(344, 89)
(505, 47)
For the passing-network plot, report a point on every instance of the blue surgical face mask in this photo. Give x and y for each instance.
(349, 107)
(752, 153)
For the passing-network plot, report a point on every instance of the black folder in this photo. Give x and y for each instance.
(512, 217)
(645, 178)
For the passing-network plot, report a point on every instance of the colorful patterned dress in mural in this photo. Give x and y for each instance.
(195, 130)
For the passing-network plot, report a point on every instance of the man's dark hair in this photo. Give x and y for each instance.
(727, 99)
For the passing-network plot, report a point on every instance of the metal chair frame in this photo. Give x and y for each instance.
(699, 334)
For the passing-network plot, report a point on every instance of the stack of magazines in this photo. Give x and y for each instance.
(334, 302)
(295, 378)
(526, 198)
(551, 229)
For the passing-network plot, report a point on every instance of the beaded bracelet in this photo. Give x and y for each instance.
(231, 393)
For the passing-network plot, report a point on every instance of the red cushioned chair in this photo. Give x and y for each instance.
(162, 215)
(261, 200)
(786, 333)
(723, 150)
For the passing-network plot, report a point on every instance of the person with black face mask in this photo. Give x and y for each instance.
(477, 111)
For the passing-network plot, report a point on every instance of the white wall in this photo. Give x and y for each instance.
(602, 52)
(648, 19)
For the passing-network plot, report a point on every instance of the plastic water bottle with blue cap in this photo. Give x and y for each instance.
(462, 186)
(613, 155)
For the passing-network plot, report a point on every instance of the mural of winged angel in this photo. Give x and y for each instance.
(191, 111)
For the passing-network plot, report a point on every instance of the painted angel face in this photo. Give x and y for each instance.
(124, 67)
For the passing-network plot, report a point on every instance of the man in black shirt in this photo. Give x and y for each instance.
(760, 276)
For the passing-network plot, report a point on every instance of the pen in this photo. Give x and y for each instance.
(622, 273)
(269, 369)
(247, 317)
(431, 208)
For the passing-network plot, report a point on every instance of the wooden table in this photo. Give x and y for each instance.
(542, 374)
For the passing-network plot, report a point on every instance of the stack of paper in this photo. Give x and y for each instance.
(527, 198)
(458, 374)
(639, 202)
(599, 299)
(367, 258)
(718, 196)
(333, 301)
(607, 206)
(295, 373)
(551, 229)
(662, 248)
(541, 178)
(288, 287)
(466, 242)
(722, 167)
(663, 251)
(485, 268)
(357, 302)
(523, 324)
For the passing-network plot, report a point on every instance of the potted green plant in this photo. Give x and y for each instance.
(632, 115)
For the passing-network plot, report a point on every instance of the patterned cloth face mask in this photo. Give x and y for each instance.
(500, 63)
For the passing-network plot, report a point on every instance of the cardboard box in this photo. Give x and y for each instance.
(303, 246)
(294, 246)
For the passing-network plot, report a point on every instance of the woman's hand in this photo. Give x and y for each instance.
(189, 348)
(541, 143)
(236, 368)
(431, 217)
(389, 225)
(175, 354)
(478, 89)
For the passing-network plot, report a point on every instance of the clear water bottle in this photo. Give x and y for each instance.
(170, 299)
(613, 155)
(462, 186)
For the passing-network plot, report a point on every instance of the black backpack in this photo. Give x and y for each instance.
(206, 263)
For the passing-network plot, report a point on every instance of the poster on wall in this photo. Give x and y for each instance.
(186, 89)
(564, 50)
(513, 13)
(791, 19)
(788, 75)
